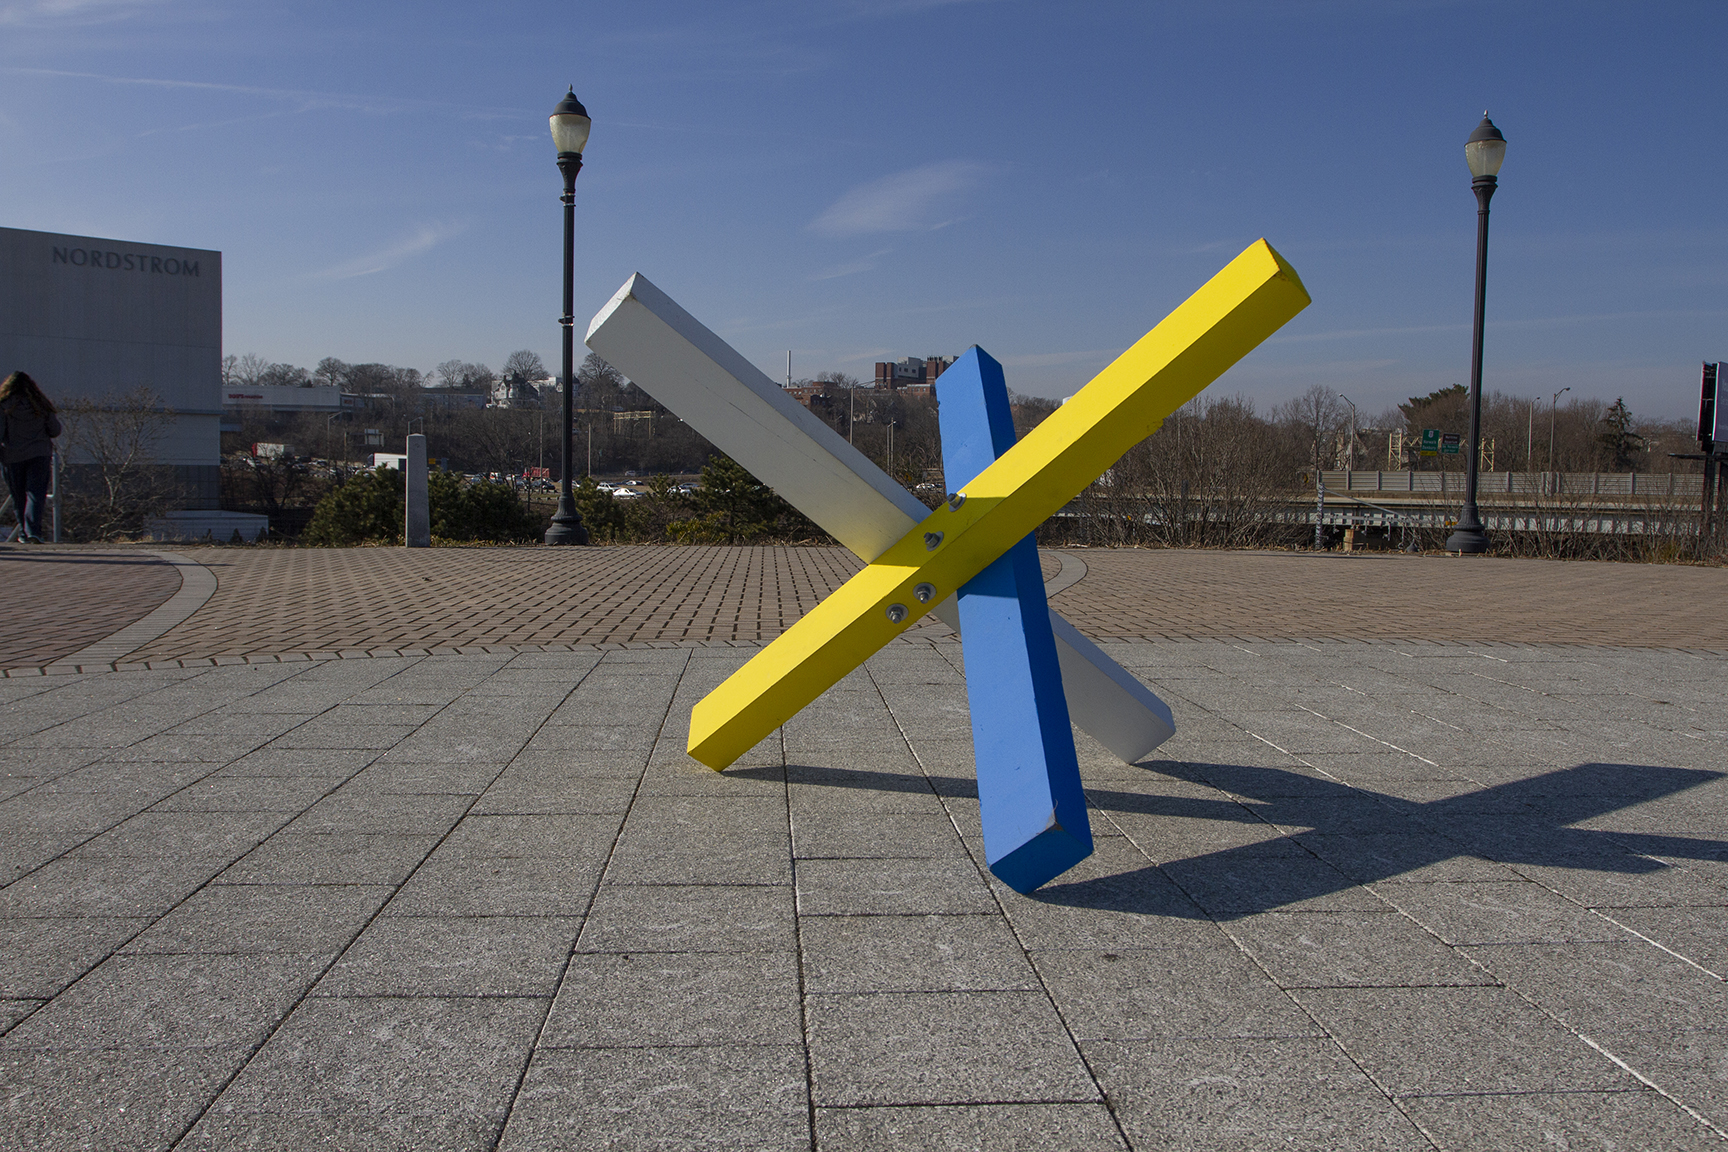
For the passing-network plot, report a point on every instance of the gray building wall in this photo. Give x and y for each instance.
(88, 317)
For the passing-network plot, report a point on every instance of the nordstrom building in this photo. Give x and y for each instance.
(92, 318)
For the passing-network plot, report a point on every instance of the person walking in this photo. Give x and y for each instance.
(28, 426)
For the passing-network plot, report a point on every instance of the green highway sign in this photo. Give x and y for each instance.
(1430, 439)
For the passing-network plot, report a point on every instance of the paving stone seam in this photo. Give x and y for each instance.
(1498, 981)
(336, 957)
(1100, 1093)
(534, 1045)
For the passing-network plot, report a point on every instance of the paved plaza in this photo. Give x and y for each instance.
(380, 849)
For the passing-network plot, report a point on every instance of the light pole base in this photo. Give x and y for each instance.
(1469, 541)
(567, 526)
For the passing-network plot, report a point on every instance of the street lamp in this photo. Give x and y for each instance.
(1484, 151)
(1553, 406)
(1352, 464)
(570, 125)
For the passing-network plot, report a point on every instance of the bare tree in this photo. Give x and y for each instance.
(523, 366)
(113, 482)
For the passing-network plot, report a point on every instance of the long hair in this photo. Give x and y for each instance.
(20, 384)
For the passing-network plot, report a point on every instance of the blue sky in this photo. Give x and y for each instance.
(868, 179)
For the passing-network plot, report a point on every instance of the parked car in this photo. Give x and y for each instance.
(625, 494)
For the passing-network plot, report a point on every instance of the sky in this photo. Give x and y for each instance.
(862, 180)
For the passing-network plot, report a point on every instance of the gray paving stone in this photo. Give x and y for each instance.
(182, 835)
(126, 1098)
(560, 836)
(390, 776)
(39, 811)
(242, 918)
(1443, 1041)
(250, 794)
(1351, 950)
(1202, 991)
(891, 887)
(1265, 878)
(851, 835)
(171, 1003)
(22, 852)
(653, 855)
(942, 1048)
(369, 812)
(1611, 1121)
(685, 1099)
(432, 1066)
(454, 956)
(40, 956)
(549, 792)
(497, 886)
(1413, 858)
(1618, 987)
(1686, 1065)
(1699, 934)
(130, 887)
(669, 999)
(1246, 1094)
(331, 858)
(328, 732)
(690, 918)
(301, 762)
(970, 1128)
(294, 1132)
(1519, 912)
(911, 954)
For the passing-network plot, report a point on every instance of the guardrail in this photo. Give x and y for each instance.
(1682, 485)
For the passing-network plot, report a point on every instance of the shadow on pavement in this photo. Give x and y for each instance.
(1322, 837)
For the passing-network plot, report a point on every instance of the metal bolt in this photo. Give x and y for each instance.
(925, 593)
(932, 541)
(955, 499)
(896, 613)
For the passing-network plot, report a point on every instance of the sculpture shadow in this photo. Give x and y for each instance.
(1303, 838)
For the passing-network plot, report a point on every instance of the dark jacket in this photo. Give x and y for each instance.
(23, 434)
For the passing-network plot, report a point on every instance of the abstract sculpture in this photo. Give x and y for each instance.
(914, 569)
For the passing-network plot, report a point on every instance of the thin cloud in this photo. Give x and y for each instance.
(307, 100)
(48, 13)
(427, 237)
(907, 201)
(852, 267)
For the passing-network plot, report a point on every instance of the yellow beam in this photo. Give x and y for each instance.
(1254, 296)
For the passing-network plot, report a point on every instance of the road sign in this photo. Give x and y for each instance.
(1449, 444)
(1430, 439)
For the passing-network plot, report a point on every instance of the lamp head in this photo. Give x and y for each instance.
(1485, 150)
(570, 125)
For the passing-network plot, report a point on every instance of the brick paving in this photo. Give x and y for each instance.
(1179, 594)
(303, 603)
(59, 600)
(272, 602)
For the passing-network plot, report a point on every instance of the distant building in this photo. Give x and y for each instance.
(93, 318)
(915, 375)
(238, 398)
(444, 398)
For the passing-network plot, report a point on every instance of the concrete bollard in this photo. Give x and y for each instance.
(417, 515)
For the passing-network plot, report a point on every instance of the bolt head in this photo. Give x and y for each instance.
(896, 613)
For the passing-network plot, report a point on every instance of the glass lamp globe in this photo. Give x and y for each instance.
(1486, 149)
(570, 125)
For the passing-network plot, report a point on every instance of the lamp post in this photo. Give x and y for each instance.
(1484, 152)
(570, 126)
(1351, 466)
(1553, 406)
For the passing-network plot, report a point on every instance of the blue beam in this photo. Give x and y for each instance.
(1029, 795)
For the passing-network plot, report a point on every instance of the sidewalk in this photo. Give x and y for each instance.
(1394, 894)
